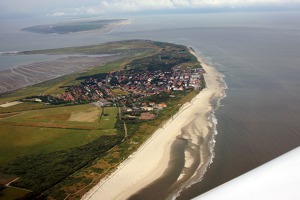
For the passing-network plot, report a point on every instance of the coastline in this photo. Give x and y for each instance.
(193, 123)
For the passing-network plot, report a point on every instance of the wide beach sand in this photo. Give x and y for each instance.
(192, 124)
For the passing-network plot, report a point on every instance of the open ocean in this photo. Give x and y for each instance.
(259, 56)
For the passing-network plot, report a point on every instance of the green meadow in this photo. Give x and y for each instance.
(53, 129)
(74, 117)
(50, 144)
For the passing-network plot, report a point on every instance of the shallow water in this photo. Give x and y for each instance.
(161, 187)
(259, 117)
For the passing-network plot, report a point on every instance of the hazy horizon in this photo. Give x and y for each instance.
(112, 8)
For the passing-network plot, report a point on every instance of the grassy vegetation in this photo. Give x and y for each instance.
(169, 57)
(10, 193)
(109, 118)
(68, 117)
(42, 157)
(31, 133)
(42, 171)
(119, 92)
(65, 150)
(26, 106)
(107, 48)
(18, 142)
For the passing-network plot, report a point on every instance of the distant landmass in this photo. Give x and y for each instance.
(76, 26)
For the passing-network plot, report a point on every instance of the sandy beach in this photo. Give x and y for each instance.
(193, 124)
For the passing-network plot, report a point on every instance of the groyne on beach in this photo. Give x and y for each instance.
(175, 156)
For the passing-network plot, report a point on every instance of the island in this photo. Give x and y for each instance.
(77, 26)
(61, 137)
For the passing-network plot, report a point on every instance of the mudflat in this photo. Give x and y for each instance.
(31, 74)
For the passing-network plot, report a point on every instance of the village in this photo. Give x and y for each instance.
(136, 91)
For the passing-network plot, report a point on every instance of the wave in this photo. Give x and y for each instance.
(211, 118)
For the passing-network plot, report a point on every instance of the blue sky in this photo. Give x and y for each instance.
(59, 8)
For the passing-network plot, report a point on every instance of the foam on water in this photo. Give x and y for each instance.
(202, 168)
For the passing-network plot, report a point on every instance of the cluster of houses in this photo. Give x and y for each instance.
(157, 81)
(143, 110)
(131, 88)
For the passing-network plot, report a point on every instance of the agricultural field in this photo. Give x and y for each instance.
(53, 129)
(72, 117)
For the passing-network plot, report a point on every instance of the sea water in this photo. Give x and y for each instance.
(258, 120)
(258, 54)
